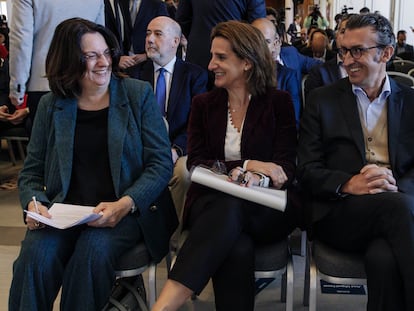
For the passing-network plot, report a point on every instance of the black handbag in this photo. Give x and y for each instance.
(128, 294)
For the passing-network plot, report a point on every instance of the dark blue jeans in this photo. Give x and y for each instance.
(81, 259)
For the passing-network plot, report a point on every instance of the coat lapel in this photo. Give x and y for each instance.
(349, 107)
(395, 107)
(175, 89)
(117, 126)
(64, 120)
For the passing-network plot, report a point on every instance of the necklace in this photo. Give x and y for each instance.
(233, 109)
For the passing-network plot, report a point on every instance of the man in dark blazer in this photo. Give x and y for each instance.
(198, 17)
(128, 20)
(286, 78)
(116, 17)
(356, 164)
(330, 71)
(318, 46)
(301, 64)
(184, 80)
(404, 50)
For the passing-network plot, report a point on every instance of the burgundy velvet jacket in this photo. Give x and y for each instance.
(269, 134)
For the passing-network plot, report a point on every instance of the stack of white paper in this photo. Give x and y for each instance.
(66, 215)
(265, 196)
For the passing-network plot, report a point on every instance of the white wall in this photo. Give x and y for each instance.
(404, 18)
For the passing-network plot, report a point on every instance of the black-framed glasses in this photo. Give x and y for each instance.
(94, 56)
(356, 52)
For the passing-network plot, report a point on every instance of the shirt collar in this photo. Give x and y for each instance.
(169, 67)
(385, 92)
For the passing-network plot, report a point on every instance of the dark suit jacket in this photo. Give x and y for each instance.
(148, 10)
(114, 25)
(331, 144)
(307, 51)
(198, 17)
(321, 75)
(269, 133)
(301, 64)
(408, 54)
(286, 81)
(188, 80)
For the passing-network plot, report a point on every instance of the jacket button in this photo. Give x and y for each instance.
(153, 208)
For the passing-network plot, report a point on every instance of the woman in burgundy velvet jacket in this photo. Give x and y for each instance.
(249, 126)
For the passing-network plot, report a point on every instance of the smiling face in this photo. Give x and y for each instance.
(98, 69)
(369, 70)
(229, 70)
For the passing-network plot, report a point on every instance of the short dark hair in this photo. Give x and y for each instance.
(401, 32)
(381, 25)
(248, 43)
(65, 62)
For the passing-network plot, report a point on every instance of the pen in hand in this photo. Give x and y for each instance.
(35, 204)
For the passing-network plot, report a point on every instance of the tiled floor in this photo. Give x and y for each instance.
(12, 231)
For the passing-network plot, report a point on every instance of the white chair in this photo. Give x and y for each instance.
(401, 77)
(411, 72)
(402, 65)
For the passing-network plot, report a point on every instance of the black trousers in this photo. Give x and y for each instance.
(222, 237)
(382, 227)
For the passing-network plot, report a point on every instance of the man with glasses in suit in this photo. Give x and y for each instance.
(356, 163)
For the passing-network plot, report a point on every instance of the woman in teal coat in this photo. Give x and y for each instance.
(98, 140)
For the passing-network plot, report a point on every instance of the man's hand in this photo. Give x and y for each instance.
(139, 58)
(371, 179)
(126, 62)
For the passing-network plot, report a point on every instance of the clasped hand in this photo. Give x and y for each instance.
(371, 179)
(15, 118)
(249, 178)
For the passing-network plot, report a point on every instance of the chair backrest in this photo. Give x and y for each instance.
(402, 65)
(304, 77)
(411, 72)
(403, 78)
(332, 266)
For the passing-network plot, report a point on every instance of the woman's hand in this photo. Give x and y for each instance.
(33, 224)
(112, 212)
(244, 178)
(274, 171)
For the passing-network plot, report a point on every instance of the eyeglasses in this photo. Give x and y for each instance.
(94, 56)
(356, 52)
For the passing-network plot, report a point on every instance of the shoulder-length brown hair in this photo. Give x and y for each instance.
(248, 43)
(65, 62)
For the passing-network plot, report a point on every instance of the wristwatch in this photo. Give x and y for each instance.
(264, 180)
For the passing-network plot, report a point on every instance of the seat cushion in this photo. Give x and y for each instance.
(337, 263)
(134, 258)
(272, 257)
